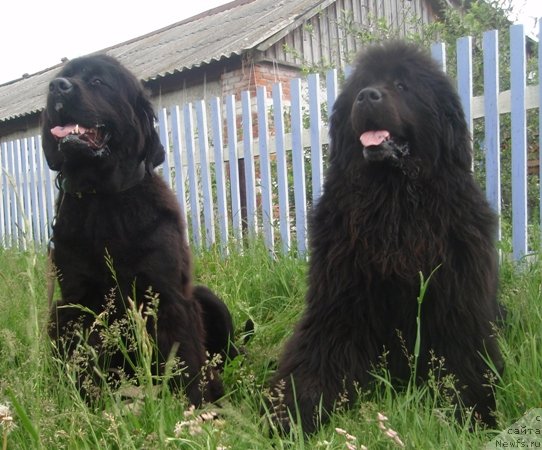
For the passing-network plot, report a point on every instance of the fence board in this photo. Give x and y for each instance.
(164, 139)
(282, 171)
(519, 141)
(438, 52)
(464, 77)
(15, 190)
(221, 198)
(316, 141)
(192, 174)
(234, 169)
(177, 148)
(33, 191)
(50, 193)
(208, 211)
(5, 223)
(492, 142)
(25, 192)
(265, 169)
(248, 157)
(41, 189)
(298, 165)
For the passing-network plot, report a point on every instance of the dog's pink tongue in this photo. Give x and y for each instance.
(60, 132)
(370, 138)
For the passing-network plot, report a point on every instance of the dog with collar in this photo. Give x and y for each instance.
(119, 236)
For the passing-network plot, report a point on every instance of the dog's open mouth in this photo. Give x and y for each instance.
(379, 145)
(76, 135)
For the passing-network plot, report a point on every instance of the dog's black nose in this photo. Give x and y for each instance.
(369, 95)
(60, 86)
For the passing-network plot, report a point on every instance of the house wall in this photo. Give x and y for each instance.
(327, 39)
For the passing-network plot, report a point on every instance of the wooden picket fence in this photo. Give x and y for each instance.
(260, 178)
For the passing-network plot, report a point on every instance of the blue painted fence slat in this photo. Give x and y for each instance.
(316, 141)
(208, 209)
(248, 156)
(25, 189)
(164, 139)
(221, 197)
(42, 186)
(50, 193)
(234, 169)
(282, 168)
(438, 52)
(464, 77)
(265, 169)
(5, 223)
(492, 122)
(519, 141)
(298, 166)
(180, 189)
(15, 210)
(192, 174)
(33, 191)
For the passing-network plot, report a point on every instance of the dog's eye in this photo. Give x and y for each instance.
(96, 81)
(400, 86)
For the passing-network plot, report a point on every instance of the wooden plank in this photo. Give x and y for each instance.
(265, 169)
(316, 141)
(250, 175)
(40, 191)
(464, 77)
(192, 174)
(519, 141)
(164, 139)
(30, 192)
(231, 118)
(208, 209)
(331, 94)
(492, 123)
(221, 197)
(282, 168)
(178, 161)
(16, 189)
(51, 192)
(438, 52)
(298, 165)
(34, 187)
(4, 222)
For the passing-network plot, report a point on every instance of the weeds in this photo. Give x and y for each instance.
(43, 400)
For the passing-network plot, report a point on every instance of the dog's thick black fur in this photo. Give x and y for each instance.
(399, 199)
(98, 133)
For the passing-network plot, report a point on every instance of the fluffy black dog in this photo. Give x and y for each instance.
(98, 133)
(399, 199)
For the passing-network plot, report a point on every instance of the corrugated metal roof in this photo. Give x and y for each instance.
(222, 32)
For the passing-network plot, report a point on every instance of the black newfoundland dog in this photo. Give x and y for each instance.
(98, 134)
(399, 199)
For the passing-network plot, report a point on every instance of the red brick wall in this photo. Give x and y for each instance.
(252, 75)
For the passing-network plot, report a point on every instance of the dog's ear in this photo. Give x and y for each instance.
(456, 137)
(154, 153)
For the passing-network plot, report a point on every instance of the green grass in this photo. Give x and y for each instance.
(48, 413)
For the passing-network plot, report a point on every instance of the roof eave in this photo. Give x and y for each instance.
(272, 40)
